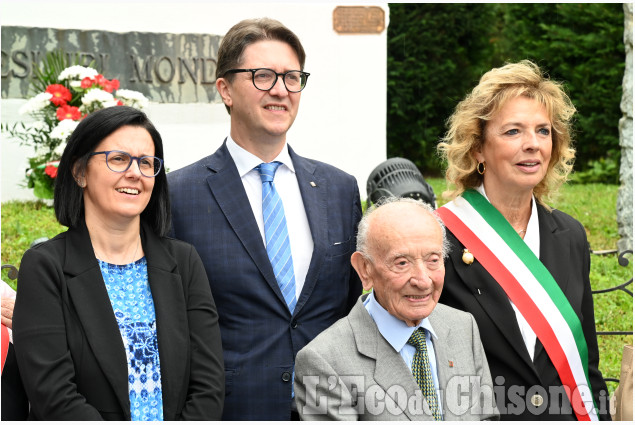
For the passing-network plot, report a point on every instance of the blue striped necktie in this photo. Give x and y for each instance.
(276, 234)
(422, 373)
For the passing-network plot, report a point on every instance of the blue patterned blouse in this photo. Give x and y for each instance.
(132, 304)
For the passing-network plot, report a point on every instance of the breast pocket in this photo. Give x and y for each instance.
(339, 248)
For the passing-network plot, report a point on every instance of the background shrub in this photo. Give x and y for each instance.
(437, 53)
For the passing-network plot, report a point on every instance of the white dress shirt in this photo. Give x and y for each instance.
(397, 333)
(532, 239)
(287, 187)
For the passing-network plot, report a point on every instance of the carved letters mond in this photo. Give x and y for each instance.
(175, 68)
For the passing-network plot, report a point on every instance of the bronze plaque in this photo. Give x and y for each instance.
(358, 20)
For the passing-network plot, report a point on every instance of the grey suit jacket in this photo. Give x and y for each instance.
(350, 372)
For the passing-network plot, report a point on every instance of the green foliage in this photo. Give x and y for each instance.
(23, 223)
(603, 170)
(437, 53)
(54, 63)
(582, 46)
(432, 50)
(593, 205)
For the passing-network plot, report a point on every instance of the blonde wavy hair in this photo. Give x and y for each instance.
(466, 126)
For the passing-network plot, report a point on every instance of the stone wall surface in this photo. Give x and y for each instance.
(165, 67)
(625, 194)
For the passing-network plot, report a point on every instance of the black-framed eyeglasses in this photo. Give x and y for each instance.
(120, 161)
(264, 78)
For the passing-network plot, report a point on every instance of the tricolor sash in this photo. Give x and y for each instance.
(530, 286)
(5, 344)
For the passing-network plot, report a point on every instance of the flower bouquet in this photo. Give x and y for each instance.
(64, 95)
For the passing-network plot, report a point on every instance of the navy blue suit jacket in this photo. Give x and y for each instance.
(210, 210)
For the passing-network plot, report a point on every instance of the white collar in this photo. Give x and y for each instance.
(246, 161)
(395, 331)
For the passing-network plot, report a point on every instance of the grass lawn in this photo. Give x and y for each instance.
(593, 205)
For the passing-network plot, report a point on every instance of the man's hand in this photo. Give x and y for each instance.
(7, 312)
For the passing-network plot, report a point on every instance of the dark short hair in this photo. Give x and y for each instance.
(95, 127)
(249, 31)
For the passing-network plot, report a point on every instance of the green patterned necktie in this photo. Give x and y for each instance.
(422, 373)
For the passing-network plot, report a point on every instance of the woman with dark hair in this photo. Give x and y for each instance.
(113, 320)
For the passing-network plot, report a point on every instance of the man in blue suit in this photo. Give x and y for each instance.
(276, 286)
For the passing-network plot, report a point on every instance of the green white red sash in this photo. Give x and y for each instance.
(5, 344)
(530, 286)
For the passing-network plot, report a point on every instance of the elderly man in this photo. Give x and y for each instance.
(399, 354)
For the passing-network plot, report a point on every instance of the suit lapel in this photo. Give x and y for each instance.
(92, 304)
(228, 190)
(91, 301)
(555, 245)
(390, 368)
(171, 317)
(313, 190)
(493, 300)
(445, 355)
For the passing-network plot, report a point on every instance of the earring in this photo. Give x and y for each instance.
(81, 183)
(480, 168)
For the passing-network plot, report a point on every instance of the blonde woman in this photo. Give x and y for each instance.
(519, 266)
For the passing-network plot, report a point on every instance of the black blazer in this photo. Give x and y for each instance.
(261, 338)
(69, 348)
(564, 251)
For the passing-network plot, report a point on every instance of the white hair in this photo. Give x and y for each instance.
(362, 230)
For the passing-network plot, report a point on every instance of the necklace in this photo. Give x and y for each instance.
(103, 257)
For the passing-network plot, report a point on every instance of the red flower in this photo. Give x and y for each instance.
(67, 112)
(51, 171)
(100, 80)
(108, 87)
(119, 102)
(87, 82)
(61, 94)
(111, 85)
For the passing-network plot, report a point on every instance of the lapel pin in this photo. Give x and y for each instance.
(450, 363)
(313, 184)
(468, 258)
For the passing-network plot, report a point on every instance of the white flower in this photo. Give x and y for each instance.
(132, 98)
(59, 149)
(100, 97)
(77, 72)
(36, 104)
(63, 130)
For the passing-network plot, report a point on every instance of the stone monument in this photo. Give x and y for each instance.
(625, 193)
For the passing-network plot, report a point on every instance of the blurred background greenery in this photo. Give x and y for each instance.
(438, 52)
